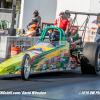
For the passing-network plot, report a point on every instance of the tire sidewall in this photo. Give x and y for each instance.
(22, 66)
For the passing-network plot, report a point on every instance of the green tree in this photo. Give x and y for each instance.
(9, 0)
(18, 5)
(8, 4)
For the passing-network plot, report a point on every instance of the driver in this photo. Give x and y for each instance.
(36, 20)
(54, 36)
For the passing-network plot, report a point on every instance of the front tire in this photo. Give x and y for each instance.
(25, 67)
(90, 62)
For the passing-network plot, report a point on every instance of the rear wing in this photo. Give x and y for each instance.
(81, 13)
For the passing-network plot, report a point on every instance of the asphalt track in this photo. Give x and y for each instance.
(57, 85)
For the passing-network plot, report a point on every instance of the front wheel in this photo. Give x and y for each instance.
(25, 67)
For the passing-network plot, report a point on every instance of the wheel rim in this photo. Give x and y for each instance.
(27, 67)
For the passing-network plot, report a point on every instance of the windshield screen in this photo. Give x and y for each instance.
(47, 43)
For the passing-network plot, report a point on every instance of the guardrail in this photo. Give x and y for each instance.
(10, 41)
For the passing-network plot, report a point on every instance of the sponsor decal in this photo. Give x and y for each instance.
(47, 65)
(68, 65)
(58, 64)
(52, 59)
(59, 56)
(62, 55)
(65, 65)
(46, 61)
(61, 51)
(44, 65)
(48, 70)
(43, 71)
(68, 54)
(40, 67)
(61, 59)
(50, 67)
(58, 59)
(64, 50)
(55, 62)
(49, 60)
(52, 62)
(33, 68)
(19, 72)
(54, 66)
(55, 59)
(74, 61)
(43, 61)
(43, 44)
(68, 68)
(67, 61)
(34, 59)
(67, 46)
(64, 43)
(34, 51)
(72, 65)
(9, 69)
(60, 69)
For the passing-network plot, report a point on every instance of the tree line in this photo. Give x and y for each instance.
(8, 4)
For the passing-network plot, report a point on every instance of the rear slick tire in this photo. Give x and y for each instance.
(90, 61)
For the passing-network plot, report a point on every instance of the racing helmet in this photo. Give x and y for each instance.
(54, 36)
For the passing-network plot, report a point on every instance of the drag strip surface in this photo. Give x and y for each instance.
(57, 85)
(61, 85)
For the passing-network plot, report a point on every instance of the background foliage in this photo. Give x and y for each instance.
(8, 4)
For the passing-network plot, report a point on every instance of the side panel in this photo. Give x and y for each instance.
(54, 60)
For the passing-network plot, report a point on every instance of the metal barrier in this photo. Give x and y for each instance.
(45, 24)
(10, 41)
